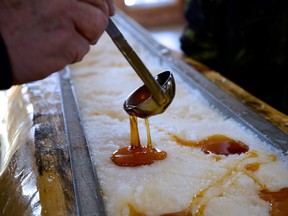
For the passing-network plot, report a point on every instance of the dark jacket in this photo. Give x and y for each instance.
(5, 67)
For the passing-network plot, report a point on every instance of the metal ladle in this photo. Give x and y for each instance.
(156, 94)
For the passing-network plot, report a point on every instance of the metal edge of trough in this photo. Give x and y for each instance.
(85, 181)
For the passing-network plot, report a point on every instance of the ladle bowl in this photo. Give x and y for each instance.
(157, 92)
(141, 102)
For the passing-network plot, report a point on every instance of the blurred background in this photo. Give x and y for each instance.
(163, 18)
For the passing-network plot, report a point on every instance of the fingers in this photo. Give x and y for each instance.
(34, 60)
(79, 47)
(107, 6)
(111, 7)
(91, 19)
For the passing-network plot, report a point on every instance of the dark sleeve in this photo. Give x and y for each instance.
(5, 67)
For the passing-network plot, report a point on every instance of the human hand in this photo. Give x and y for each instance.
(44, 36)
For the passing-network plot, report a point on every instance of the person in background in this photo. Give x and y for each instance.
(39, 37)
(245, 41)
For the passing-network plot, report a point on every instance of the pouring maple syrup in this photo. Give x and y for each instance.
(136, 154)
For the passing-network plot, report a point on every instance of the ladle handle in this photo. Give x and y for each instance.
(133, 59)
